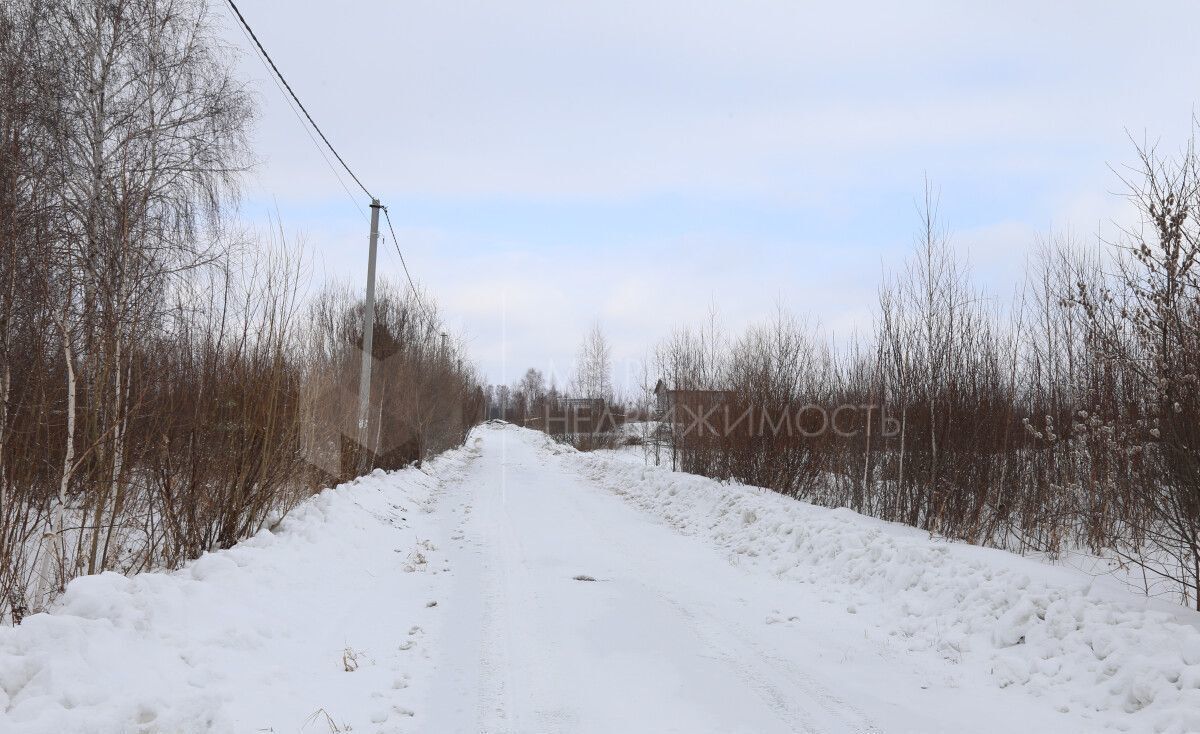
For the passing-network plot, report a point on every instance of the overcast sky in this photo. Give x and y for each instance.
(552, 164)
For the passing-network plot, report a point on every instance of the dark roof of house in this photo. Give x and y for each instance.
(661, 386)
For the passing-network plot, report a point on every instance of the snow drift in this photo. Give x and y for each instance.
(1085, 642)
(332, 619)
(280, 614)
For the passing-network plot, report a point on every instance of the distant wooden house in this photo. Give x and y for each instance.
(581, 415)
(683, 405)
(583, 404)
(686, 417)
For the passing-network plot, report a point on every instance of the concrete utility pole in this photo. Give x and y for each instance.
(364, 375)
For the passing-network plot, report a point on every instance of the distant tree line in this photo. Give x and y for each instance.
(164, 391)
(586, 414)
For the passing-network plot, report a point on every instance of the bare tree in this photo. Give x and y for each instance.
(593, 367)
(1147, 322)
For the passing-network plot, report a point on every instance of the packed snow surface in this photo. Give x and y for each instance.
(517, 586)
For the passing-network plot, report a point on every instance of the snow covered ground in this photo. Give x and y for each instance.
(517, 586)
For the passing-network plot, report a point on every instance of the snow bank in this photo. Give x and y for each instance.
(264, 636)
(181, 651)
(1133, 664)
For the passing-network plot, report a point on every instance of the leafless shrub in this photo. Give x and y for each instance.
(161, 391)
(1066, 418)
(426, 397)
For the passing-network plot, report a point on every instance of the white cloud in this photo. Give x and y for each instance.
(776, 105)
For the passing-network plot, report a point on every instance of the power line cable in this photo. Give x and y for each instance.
(307, 131)
(279, 78)
(300, 104)
(396, 243)
(403, 264)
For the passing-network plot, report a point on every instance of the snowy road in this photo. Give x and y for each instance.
(517, 587)
(670, 637)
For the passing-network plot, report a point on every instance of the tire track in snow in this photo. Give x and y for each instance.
(501, 712)
(775, 680)
(764, 671)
